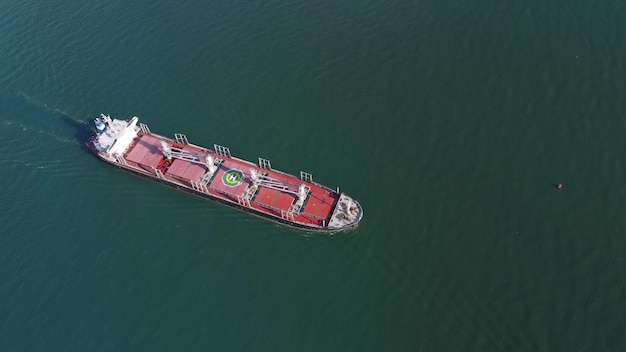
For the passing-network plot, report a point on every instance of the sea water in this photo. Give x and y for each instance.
(451, 122)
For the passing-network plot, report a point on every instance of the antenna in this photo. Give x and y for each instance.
(106, 119)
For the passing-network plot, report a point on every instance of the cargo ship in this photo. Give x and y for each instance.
(217, 175)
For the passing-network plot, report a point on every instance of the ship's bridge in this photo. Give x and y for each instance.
(116, 135)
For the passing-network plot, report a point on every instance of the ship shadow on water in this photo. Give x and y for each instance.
(80, 130)
(31, 114)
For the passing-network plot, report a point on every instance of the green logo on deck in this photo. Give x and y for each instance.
(232, 178)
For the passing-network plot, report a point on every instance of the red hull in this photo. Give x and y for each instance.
(278, 196)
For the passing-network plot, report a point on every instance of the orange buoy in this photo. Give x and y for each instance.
(559, 186)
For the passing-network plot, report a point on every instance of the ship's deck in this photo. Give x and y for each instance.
(223, 183)
(146, 151)
(232, 180)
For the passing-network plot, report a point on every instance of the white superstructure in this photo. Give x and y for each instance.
(114, 136)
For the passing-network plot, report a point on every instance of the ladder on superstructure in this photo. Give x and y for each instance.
(306, 177)
(287, 215)
(223, 151)
(144, 128)
(199, 186)
(243, 200)
(120, 159)
(265, 164)
(157, 172)
(181, 138)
